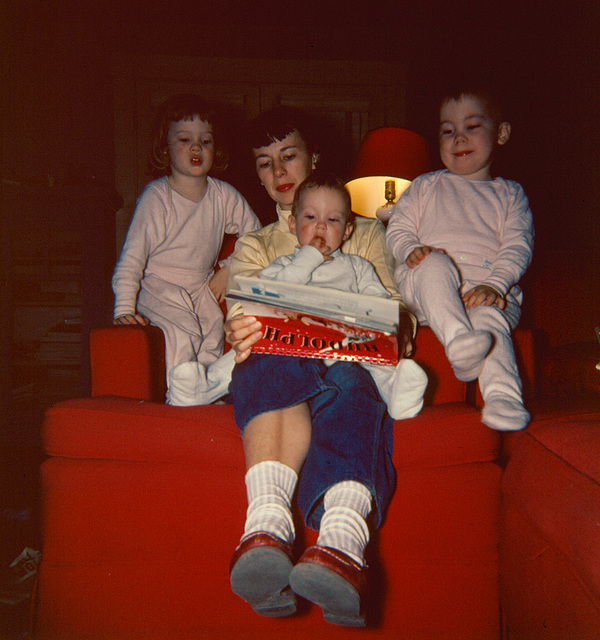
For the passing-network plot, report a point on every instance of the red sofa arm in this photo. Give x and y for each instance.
(128, 361)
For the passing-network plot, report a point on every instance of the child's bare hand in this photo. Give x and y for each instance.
(419, 254)
(242, 333)
(218, 284)
(483, 294)
(132, 318)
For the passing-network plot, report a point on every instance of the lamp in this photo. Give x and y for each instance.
(386, 155)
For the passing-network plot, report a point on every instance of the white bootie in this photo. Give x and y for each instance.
(504, 414)
(467, 353)
(191, 383)
(401, 387)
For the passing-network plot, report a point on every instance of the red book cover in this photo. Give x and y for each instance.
(347, 329)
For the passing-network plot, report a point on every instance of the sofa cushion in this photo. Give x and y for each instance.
(551, 489)
(126, 429)
(144, 504)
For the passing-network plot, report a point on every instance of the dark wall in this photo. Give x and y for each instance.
(58, 119)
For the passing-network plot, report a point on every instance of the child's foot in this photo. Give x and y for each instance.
(467, 353)
(408, 387)
(187, 384)
(504, 414)
(191, 383)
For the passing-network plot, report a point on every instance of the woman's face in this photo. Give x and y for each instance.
(282, 166)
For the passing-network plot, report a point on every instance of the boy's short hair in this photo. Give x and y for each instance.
(317, 180)
(486, 94)
(278, 123)
(182, 107)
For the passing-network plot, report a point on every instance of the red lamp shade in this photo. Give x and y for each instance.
(391, 151)
(387, 153)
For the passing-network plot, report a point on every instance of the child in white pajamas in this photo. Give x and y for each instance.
(321, 220)
(463, 240)
(166, 275)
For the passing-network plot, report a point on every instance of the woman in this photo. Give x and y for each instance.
(321, 430)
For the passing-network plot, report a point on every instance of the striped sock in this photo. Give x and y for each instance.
(343, 525)
(270, 486)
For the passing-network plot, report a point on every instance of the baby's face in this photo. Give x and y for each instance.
(320, 220)
(467, 138)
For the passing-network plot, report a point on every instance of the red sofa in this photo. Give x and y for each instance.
(144, 503)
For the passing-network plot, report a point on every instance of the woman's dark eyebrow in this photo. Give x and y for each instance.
(283, 150)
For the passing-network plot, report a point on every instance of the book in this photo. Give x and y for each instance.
(316, 322)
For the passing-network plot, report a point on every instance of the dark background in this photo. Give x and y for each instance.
(58, 94)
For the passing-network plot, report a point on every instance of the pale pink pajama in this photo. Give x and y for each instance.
(486, 230)
(168, 258)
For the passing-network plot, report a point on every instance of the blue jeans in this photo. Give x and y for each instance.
(352, 434)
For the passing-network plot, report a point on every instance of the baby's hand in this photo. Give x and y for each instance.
(321, 246)
(419, 254)
(483, 294)
(131, 318)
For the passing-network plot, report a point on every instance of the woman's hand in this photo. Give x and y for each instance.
(242, 333)
(132, 318)
(419, 254)
(483, 294)
(218, 283)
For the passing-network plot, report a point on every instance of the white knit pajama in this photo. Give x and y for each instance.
(432, 290)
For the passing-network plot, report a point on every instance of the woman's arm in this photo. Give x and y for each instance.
(248, 259)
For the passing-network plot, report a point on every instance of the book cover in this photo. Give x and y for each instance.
(313, 322)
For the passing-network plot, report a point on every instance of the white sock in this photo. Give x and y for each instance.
(504, 414)
(191, 383)
(343, 525)
(401, 387)
(270, 486)
(467, 353)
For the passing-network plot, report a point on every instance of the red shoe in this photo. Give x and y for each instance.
(334, 581)
(259, 573)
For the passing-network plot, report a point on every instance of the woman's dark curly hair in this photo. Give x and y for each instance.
(278, 123)
(176, 108)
